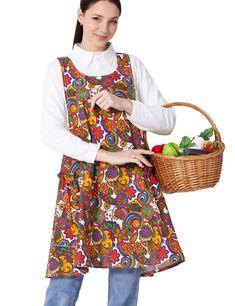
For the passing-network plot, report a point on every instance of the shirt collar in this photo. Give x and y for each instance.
(87, 57)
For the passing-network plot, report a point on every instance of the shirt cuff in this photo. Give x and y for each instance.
(92, 152)
(133, 114)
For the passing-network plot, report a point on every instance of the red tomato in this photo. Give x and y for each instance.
(206, 148)
(158, 148)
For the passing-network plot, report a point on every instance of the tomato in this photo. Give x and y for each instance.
(208, 145)
(158, 148)
(207, 148)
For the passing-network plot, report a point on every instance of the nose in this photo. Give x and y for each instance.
(104, 28)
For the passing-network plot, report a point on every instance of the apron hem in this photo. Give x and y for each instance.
(146, 273)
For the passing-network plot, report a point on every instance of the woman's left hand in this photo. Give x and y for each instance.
(105, 100)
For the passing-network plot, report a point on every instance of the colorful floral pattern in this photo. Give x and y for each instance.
(107, 216)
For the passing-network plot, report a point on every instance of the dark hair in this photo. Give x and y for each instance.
(84, 5)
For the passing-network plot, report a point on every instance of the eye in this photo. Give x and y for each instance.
(96, 18)
(114, 21)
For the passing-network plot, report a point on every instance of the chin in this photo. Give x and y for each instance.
(101, 43)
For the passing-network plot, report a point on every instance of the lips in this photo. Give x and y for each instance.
(101, 37)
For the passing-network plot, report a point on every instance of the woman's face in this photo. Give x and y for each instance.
(99, 25)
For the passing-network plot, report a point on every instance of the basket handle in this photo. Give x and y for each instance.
(187, 104)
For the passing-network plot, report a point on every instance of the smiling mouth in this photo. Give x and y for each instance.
(101, 37)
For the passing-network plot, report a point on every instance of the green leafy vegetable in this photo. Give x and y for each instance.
(182, 151)
(186, 142)
(206, 135)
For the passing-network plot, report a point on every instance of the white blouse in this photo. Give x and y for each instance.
(147, 113)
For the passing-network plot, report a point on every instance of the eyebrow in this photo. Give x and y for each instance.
(103, 16)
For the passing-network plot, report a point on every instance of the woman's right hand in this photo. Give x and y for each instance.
(123, 157)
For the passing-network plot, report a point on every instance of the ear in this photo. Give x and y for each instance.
(80, 16)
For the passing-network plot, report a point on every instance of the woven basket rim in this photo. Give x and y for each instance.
(218, 151)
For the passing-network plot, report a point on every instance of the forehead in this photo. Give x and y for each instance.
(104, 9)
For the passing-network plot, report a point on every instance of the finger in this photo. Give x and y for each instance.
(106, 106)
(145, 151)
(136, 161)
(142, 151)
(145, 161)
(105, 92)
(99, 101)
(103, 104)
(94, 98)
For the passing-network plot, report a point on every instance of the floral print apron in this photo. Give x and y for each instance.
(107, 216)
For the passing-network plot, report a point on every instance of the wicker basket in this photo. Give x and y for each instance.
(191, 172)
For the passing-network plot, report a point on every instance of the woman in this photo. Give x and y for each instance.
(110, 211)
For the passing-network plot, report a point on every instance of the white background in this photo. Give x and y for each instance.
(188, 47)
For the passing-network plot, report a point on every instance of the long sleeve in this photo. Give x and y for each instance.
(147, 112)
(54, 123)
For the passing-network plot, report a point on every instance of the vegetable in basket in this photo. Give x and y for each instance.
(170, 149)
(200, 144)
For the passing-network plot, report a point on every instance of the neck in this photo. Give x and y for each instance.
(88, 47)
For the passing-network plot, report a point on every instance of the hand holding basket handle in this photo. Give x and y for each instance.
(188, 173)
